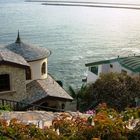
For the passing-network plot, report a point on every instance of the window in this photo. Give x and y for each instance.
(43, 68)
(4, 82)
(111, 66)
(94, 70)
(28, 74)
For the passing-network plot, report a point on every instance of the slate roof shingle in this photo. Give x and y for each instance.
(8, 56)
(39, 89)
(29, 52)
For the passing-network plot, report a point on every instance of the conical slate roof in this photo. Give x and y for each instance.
(28, 51)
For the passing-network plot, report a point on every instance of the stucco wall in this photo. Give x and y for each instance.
(36, 69)
(91, 77)
(71, 106)
(17, 83)
(118, 68)
(105, 68)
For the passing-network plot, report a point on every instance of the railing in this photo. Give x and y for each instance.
(21, 106)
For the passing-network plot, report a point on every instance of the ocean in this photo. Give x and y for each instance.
(75, 35)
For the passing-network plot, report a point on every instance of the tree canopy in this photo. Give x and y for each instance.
(117, 90)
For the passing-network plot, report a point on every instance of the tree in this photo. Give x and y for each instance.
(82, 96)
(117, 90)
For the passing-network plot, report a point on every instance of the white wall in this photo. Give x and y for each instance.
(36, 69)
(116, 67)
(99, 70)
(91, 77)
(105, 68)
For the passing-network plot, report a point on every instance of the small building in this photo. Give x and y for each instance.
(24, 76)
(129, 65)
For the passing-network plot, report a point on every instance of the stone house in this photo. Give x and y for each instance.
(24, 76)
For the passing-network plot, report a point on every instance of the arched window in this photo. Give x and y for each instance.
(43, 68)
(28, 74)
(4, 82)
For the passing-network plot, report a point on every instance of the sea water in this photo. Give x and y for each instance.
(75, 35)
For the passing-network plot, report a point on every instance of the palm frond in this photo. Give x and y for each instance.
(72, 92)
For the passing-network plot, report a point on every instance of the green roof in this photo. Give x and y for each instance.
(101, 62)
(131, 62)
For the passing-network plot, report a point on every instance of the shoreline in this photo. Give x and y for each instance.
(93, 5)
(64, 1)
(88, 4)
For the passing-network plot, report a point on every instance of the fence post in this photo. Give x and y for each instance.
(2, 102)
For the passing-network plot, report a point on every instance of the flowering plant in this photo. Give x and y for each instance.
(92, 112)
(108, 125)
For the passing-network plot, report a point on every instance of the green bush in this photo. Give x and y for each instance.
(5, 108)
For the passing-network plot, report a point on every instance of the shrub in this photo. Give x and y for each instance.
(5, 107)
(106, 124)
(117, 90)
(135, 133)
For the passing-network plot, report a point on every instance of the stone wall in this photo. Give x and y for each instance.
(17, 83)
(39, 118)
(71, 106)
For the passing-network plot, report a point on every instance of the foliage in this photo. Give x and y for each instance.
(73, 127)
(106, 124)
(131, 113)
(82, 97)
(5, 108)
(117, 90)
(79, 95)
(135, 133)
(19, 131)
(109, 124)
